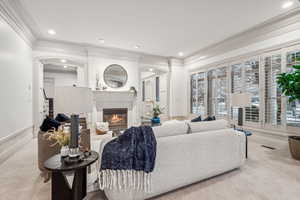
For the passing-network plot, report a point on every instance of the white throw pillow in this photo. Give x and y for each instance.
(196, 127)
(171, 128)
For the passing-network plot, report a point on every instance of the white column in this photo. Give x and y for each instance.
(38, 98)
(177, 88)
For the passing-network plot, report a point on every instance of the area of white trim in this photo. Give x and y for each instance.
(14, 142)
(10, 15)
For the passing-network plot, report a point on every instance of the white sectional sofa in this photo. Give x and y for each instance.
(189, 154)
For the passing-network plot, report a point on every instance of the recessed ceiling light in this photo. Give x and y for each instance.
(101, 40)
(287, 4)
(51, 32)
(180, 54)
(151, 69)
(65, 66)
(63, 60)
(137, 46)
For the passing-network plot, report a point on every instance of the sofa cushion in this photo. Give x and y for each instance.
(203, 126)
(62, 117)
(209, 118)
(197, 119)
(49, 124)
(171, 128)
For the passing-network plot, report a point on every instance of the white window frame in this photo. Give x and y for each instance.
(282, 126)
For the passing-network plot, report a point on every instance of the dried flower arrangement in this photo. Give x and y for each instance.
(60, 137)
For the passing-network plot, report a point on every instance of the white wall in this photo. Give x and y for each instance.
(150, 92)
(178, 89)
(57, 79)
(97, 65)
(15, 82)
(62, 79)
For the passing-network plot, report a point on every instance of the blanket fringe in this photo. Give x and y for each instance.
(125, 180)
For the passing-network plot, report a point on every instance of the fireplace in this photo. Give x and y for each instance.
(117, 118)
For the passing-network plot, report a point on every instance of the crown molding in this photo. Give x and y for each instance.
(276, 26)
(86, 51)
(26, 17)
(9, 13)
(176, 62)
(229, 60)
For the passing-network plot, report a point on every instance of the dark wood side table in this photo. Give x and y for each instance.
(60, 188)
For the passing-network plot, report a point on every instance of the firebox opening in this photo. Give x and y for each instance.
(117, 118)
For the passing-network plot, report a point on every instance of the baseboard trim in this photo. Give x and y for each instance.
(267, 132)
(12, 143)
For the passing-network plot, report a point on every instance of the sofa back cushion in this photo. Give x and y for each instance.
(196, 127)
(171, 128)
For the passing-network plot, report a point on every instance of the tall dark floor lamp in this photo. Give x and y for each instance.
(73, 101)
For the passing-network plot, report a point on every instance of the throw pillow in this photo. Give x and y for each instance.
(209, 118)
(49, 124)
(197, 119)
(171, 128)
(62, 117)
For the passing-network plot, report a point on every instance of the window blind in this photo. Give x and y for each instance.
(157, 89)
(236, 85)
(236, 81)
(217, 92)
(272, 94)
(221, 92)
(198, 92)
(211, 84)
(252, 86)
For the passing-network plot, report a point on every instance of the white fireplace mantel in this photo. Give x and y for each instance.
(116, 99)
(113, 99)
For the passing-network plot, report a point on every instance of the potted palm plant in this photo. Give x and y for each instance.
(289, 83)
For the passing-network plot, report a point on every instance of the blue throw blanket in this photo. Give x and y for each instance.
(127, 161)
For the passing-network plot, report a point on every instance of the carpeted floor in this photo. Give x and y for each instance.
(267, 175)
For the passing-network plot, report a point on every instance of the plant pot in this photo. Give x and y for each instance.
(155, 120)
(294, 143)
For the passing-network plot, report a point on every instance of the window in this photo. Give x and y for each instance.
(252, 86)
(236, 81)
(211, 84)
(293, 109)
(236, 85)
(245, 78)
(198, 92)
(157, 89)
(217, 92)
(143, 90)
(257, 76)
(221, 92)
(272, 67)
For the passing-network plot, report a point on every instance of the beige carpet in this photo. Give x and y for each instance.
(267, 175)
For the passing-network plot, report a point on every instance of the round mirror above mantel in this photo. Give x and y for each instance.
(115, 76)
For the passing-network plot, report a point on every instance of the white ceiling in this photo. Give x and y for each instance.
(160, 27)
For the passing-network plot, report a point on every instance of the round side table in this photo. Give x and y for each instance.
(60, 188)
